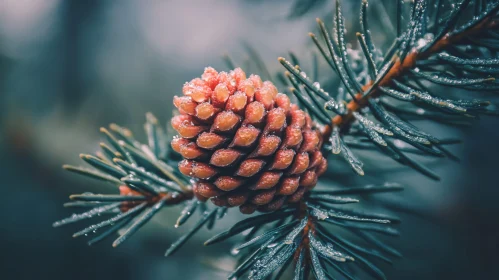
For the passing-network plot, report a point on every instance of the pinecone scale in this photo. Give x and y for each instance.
(244, 143)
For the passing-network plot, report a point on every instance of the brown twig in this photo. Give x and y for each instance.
(301, 213)
(176, 198)
(171, 198)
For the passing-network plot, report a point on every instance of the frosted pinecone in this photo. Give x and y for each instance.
(244, 143)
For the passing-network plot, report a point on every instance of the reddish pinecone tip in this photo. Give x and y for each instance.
(244, 142)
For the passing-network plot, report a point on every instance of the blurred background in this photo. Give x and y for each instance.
(70, 67)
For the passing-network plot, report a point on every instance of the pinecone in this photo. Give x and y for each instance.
(245, 143)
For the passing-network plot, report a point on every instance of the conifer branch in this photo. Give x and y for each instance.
(401, 65)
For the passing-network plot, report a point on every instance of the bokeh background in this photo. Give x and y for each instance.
(70, 67)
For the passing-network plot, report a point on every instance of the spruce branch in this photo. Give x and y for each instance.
(403, 73)
(145, 182)
(399, 66)
(301, 235)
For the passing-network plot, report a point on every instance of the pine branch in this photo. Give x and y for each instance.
(401, 65)
(146, 184)
(415, 55)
